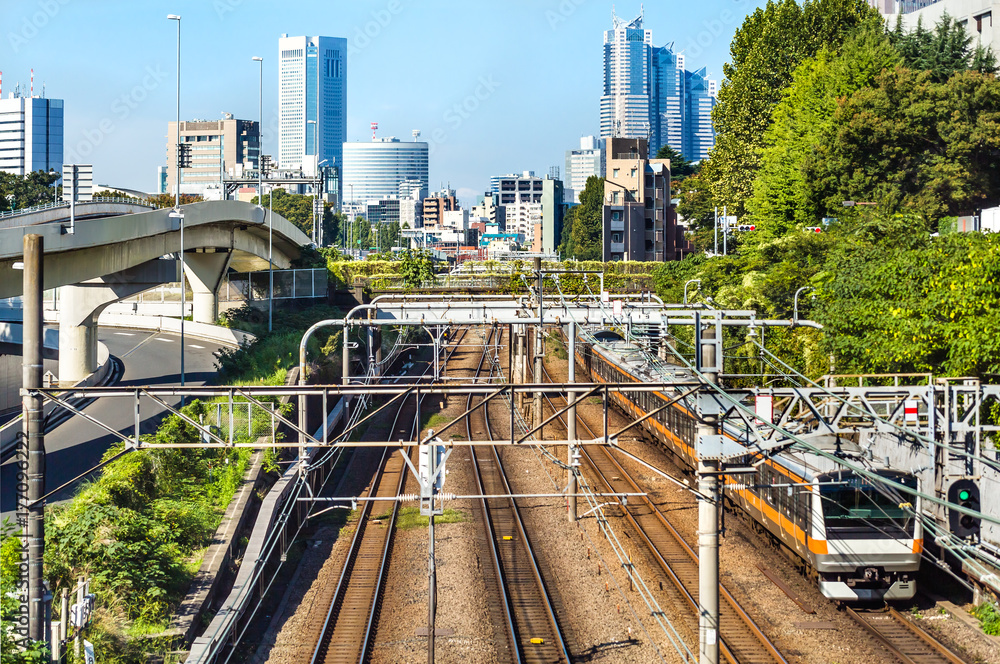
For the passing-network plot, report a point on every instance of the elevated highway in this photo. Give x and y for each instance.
(111, 258)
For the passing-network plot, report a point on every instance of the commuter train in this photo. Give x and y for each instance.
(861, 542)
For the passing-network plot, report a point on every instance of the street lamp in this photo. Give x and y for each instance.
(177, 186)
(260, 191)
(317, 236)
(795, 304)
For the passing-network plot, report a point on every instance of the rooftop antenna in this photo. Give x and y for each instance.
(374, 129)
(32, 82)
(1, 85)
(416, 134)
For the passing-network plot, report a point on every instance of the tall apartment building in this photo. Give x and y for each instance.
(217, 147)
(31, 134)
(377, 169)
(435, 205)
(581, 164)
(647, 93)
(532, 208)
(639, 223)
(312, 104)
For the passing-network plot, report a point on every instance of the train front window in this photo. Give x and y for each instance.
(854, 508)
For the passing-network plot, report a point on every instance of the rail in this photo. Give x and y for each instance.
(743, 642)
(909, 643)
(348, 631)
(534, 632)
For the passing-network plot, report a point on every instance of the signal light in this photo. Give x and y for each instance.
(747, 227)
(183, 155)
(964, 493)
(814, 229)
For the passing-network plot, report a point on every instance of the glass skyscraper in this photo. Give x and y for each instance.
(648, 93)
(312, 102)
(375, 170)
(31, 134)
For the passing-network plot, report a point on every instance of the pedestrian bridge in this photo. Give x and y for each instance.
(111, 258)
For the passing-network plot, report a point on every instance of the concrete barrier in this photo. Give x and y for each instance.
(219, 334)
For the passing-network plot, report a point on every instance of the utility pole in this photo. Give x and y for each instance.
(33, 513)
(725, 231)
(572, 453)
(716, 252)
(539, 352)
(708, 513)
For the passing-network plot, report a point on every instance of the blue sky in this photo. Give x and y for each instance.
(496, 87)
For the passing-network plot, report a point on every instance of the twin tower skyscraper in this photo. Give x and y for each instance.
(649, 94)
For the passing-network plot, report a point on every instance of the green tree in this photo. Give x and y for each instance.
(680, 167)
(163, 201)
(766, 50)
(582, 226)
(296, 208)
(783, 198)
(942, 51)
(416, 267)
(698, 211)
(914, 144)
(26, 190)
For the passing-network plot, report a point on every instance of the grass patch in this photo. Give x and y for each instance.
(435, 421)
(410, 517)
(989, 618)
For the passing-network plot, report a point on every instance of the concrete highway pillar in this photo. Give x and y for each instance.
(205, 271)
(81, 304)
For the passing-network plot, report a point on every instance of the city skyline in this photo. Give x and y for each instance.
(477, 118)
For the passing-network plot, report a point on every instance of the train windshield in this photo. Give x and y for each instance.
(853, 507)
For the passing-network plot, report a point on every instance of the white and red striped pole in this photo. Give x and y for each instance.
(32, 82)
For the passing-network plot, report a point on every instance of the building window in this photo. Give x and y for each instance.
(615, 172)
(616, 237)
(616, 215)
(614, 198)
(632, 174)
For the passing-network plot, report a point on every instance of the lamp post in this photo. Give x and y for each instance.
(260, 190)
(795, 304)
(317, 233)
(686, 284)
(177, 186)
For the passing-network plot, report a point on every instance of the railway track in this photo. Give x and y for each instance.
(743, 642)
(909, 643)
(532, 628)
(347, 634)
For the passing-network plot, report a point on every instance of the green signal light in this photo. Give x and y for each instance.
(964, 494)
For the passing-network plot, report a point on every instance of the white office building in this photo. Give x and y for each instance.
(377, 169)
(31, 134)
(581, 164)
(312, 103)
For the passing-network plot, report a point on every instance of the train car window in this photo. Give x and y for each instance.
(854, 508)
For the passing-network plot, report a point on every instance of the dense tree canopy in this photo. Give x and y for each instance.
(766, 50)
(17, 191)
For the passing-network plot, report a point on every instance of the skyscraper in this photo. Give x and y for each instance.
(31, 134)
(312, 103)
(648, 93)
(625, 103)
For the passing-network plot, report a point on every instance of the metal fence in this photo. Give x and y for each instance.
(59, 204)
(288, 285)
